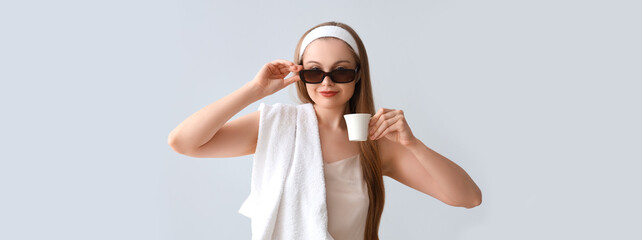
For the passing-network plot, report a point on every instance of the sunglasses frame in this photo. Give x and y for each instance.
(356, 75)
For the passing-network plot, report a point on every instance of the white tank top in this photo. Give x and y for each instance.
(346, 198)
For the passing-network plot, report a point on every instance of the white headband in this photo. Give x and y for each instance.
(329, 31)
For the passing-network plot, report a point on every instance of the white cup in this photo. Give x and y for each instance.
(357, 126)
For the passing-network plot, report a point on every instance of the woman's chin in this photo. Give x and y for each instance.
(329, 102)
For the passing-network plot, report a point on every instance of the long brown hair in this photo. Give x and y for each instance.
(361, 102)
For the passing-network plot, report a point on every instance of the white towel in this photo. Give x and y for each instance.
(287, 198)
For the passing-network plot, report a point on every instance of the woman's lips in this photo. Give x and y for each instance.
(328, 94)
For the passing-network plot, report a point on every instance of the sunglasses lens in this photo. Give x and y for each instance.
(343, 75)
(338, 75)
(312, 76)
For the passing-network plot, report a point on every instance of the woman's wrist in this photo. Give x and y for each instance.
(253, 91)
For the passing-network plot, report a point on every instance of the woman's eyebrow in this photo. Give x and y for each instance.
(340, 61)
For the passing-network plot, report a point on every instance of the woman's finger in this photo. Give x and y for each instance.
(284, 62)
(279, 63)
(386, 124)
(292, 79)
(387, 114)
(395, 126)
(286, 67)
(374, 118)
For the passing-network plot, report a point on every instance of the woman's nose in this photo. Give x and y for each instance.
(327, 81)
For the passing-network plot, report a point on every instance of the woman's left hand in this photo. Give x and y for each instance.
(392, 124)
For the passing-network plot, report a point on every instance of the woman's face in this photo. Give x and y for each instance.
(328, 54)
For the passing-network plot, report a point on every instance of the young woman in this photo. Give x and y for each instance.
(331, 72)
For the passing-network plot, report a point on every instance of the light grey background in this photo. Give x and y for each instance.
(539, 101)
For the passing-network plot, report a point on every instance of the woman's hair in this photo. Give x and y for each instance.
(361, 102)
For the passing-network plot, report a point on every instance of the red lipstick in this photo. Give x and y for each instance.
(328, 93)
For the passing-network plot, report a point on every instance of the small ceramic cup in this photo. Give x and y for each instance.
(357, 126)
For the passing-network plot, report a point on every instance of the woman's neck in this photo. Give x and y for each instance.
(331, 118)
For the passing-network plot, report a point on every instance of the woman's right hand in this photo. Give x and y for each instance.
(270, 78)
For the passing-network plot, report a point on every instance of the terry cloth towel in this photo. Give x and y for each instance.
(287, 198)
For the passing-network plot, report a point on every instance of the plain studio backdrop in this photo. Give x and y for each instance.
(539, 101)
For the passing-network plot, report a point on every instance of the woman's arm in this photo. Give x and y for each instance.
(409, 161)
(201, 126)
(452, 180)
(419, 167)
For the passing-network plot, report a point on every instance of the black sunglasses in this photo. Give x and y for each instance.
(341, 75)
